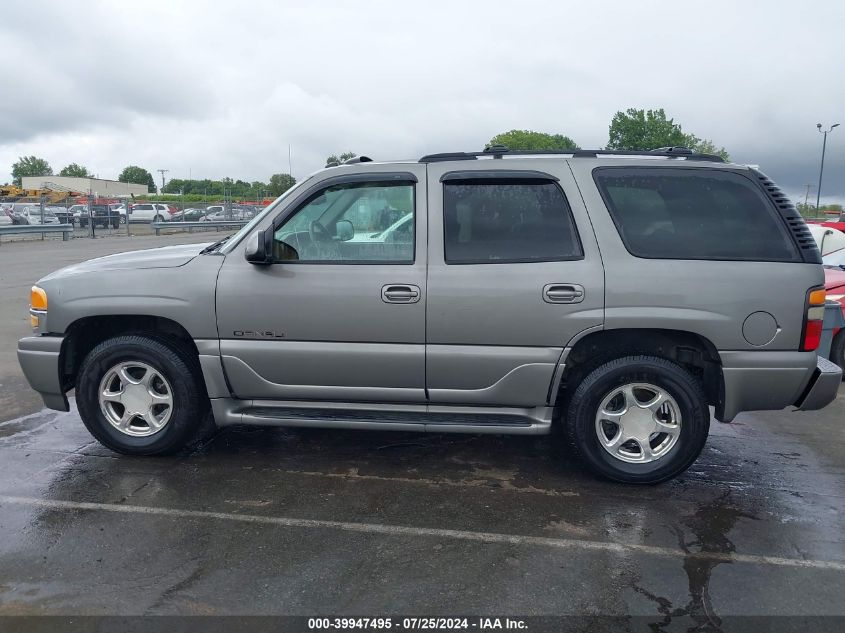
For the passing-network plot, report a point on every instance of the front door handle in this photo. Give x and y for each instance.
(400, 293)
(563, 293)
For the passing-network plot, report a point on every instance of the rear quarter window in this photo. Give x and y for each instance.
(693, 213)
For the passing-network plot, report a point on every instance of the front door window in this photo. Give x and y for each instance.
(355, 223)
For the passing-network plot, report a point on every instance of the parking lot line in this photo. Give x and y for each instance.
(404, 530)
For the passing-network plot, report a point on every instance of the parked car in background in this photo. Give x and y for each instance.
(400, 231)
(834, 284)
(219, 213)
(828, 239)
(120, 209)
(33, 215)
(65, 217)
(6, 216)
(101, 215)
(76, 211)
(15, 209)
(834, 223)
(188, 215)
(149, 212)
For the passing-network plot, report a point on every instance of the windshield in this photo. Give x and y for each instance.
(834, 258)
(247, 228)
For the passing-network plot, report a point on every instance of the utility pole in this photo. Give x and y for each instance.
(809, 186)
(821, 169)
(162, 172)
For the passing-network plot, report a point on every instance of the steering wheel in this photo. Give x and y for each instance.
(318, 232)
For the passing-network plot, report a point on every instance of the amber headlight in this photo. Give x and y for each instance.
(38, 299)
(37, 306)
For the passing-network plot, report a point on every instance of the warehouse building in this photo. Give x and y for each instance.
(93, 186)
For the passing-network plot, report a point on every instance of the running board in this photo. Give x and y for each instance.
(398, 417)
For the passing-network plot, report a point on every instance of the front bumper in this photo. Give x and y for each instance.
(39, 360)
(822, 388)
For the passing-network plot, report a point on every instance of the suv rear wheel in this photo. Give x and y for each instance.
(141, 395)
(158, 218)
(638, 419)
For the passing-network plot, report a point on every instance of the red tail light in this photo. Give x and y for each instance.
(813, 320)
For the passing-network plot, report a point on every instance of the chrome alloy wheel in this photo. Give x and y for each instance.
(136, 399)
(638, 423)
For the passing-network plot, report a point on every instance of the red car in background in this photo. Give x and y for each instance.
(836, 223)
(834, 284)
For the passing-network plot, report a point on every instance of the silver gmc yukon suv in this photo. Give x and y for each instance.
(617, 295)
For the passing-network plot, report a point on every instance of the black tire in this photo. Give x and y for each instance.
(158, 218)
(115, 224)
(580, 422)
(837, 349)
(123, 219)
(190, 416)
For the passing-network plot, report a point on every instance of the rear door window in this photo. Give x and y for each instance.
(500, 221)
(667, 213)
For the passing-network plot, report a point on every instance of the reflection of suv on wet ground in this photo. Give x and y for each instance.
(618, 296)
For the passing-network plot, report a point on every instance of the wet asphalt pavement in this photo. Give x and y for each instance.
(301, 521)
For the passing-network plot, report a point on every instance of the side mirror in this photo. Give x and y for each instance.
(344, 230)
(256, 251)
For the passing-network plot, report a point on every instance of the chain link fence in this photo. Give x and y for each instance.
(96, 217)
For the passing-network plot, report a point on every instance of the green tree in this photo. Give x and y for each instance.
(530, 140)
(705, 146)
(177, 185)
(650, 129)
(30, 166)
(139, 176)
(279, 183)
(334, 158)
(75, 170)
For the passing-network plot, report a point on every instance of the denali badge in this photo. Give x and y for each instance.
(257, 334)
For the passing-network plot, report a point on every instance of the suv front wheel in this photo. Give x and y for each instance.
(141, 395)
(638, 419)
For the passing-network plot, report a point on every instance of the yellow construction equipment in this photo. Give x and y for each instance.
(53, 194)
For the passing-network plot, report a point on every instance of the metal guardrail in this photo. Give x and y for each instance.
(29, 229)
(223, 224)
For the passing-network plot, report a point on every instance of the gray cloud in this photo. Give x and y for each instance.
(213, 91)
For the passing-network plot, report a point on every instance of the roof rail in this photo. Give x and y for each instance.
(498, 151)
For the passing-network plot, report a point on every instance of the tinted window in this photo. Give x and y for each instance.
(502, 221)
(362, 223)
(669, 213)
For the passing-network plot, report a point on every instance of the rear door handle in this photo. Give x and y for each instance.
(400, 293)
(563, 293)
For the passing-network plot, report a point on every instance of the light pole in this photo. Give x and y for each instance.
(821, 169)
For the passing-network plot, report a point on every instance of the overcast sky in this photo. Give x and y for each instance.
(221, 89)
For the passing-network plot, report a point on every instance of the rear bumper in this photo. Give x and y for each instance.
(822, 388)
(763, 381)
(39, 360)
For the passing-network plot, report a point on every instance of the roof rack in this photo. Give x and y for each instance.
(357, 159)
(498, 151)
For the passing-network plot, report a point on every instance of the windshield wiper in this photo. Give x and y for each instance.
(213, 247)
